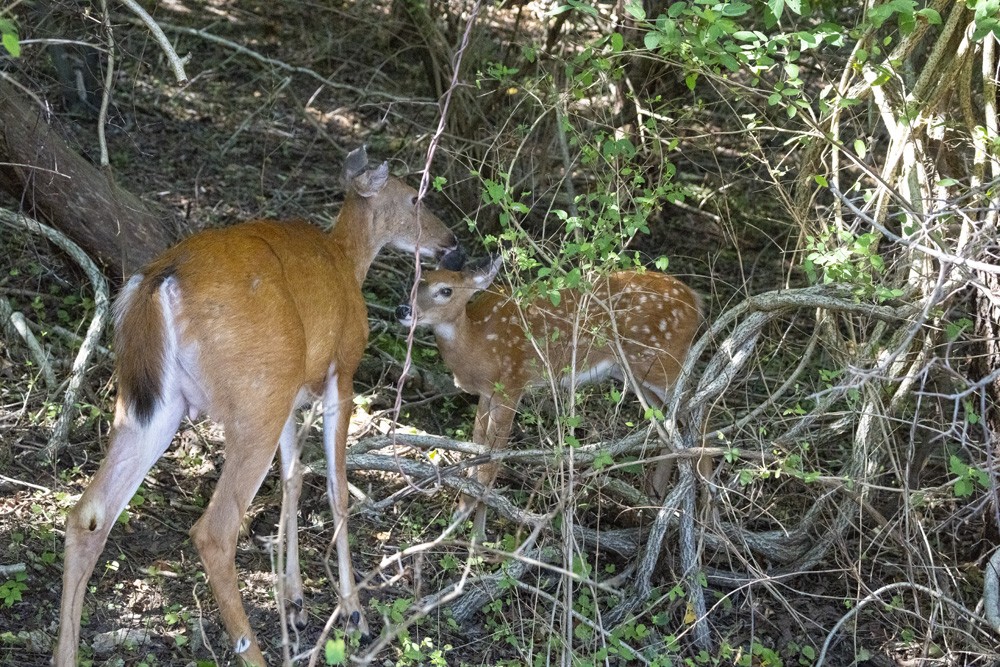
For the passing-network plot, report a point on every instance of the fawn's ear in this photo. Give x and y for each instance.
(483, 271)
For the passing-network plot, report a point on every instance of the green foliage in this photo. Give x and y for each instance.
(11, 589)
(628, 186)
(412, 651)
(848, 259)
(335, 652)
(760, 656)
(986, 21)
(968, 477)
(395, 611)
(9, 38)
(953, 330)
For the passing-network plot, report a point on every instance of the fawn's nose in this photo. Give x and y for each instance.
(404, 313)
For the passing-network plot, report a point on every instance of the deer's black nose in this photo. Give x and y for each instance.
(404, 312)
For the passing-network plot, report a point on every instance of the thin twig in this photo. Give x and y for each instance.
(176, 62)
(16, 324)
(876, 595)
(109, 78)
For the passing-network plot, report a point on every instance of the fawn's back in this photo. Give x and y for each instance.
(647, 319)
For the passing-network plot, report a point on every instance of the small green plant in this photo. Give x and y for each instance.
(968, 477)
(806, 654)
(760, 656)
(394, 611)
(412, 651)
(335, 652)
(10, 590)
(848, 259)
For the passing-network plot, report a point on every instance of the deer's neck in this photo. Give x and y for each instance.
(463, 349)
(354, 236)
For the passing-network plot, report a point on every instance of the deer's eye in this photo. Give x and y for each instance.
(445, 292)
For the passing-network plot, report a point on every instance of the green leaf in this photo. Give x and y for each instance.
(985, 27)
(11, 43)
(603, 460)
(735, 8)
(617, 42)
(956, 466)
(335, 652)
(930, 15)
(954, 329)
(821, 181)
(651, 40)
(860, 148)
(636, 11)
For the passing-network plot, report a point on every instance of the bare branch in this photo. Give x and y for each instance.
(176, 62)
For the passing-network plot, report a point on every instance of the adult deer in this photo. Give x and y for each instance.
(244, 324)
(632, 326)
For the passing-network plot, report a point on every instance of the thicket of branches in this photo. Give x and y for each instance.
(826, 176)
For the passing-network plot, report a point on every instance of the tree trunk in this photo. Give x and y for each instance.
(54, 183)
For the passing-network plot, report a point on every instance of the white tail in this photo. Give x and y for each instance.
(635, 327)
(244, 324)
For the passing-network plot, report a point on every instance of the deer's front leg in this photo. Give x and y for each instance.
(500, 412)
(336, 419)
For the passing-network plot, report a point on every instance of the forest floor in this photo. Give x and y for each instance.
(244, 140)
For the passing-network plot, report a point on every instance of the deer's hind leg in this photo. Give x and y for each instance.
(134, 448)
(251, 440)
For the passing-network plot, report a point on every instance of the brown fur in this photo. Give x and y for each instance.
(238, 322)
(139, 345)
(630, 323)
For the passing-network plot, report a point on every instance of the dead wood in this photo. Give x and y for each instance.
(54, 183)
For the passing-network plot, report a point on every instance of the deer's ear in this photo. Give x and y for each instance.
(483, 271)
(371, 182)
(355, 164)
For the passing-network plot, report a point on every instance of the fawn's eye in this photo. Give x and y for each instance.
(445, 291)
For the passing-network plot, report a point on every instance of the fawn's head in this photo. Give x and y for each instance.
(443, 294)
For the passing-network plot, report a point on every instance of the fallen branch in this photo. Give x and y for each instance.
(176, 62)
(15, 324)
(102, 302)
